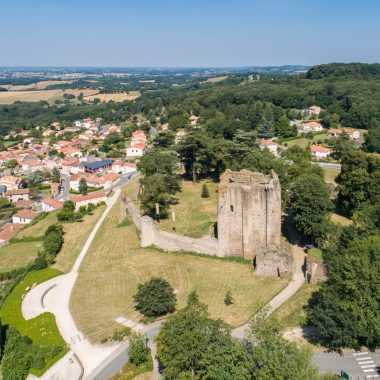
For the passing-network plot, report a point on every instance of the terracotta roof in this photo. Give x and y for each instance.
(79, 198)
(17, 192)
(138, 146)
(53, 203)
(9, 230)
(320, 149)
(267, 142)
(334, 131)
(111, 176)
(313, 124)
(26, 214)
(23, 203)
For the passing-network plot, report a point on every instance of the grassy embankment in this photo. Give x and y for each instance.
(42, 330)
(115, 265)
(29, 241)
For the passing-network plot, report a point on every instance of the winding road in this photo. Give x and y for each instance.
(84, 359)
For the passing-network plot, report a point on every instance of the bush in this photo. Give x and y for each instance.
(205, 192)
(53, 240)
(155, 298)
(137, 352)
(228, 299)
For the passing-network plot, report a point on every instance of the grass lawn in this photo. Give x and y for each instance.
(16, 255)
(330, 174)
(303, 141)
(339, 219)
(293, 312)
(195, 216)
(115, 265)
(315, 253)
(42, 330)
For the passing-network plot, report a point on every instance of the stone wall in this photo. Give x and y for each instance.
(172, 242)
(134, 213)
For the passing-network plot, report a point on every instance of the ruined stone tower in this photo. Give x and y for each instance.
(249, 214)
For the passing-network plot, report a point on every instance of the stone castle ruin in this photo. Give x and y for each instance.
(249, 224)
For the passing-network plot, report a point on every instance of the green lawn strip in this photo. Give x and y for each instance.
(42, 330)
(315, 253)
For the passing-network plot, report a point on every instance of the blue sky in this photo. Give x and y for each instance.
(187, 32)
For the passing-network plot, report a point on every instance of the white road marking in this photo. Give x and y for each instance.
(360, 353)
(367, 362)
(366, 358)
(368, 366)
(369, 370)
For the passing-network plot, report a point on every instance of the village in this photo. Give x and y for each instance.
(39, 175)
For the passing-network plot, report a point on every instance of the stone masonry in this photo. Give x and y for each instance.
(249, 213)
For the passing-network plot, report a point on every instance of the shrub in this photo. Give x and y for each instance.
(228, 299)
(137, 352)
(205, 192)
(155, 298)
(53, 239)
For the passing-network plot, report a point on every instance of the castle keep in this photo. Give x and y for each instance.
(249, 214)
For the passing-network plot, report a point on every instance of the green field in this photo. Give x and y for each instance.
(194, 216)
(20, 253)
(303, 142)
(330, 174)
(115, 265)
(42, 330)
(293, 312)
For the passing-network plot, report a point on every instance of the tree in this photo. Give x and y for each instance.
(311, 204)
(53, 240)
(154, 191)
(155, 298)
(284, 128)
(228, 299)
(346, 308)
(372, 140)
(137, 352)
(196, 153)
(191, 345)
(164, 139)
(83, 188)
(55, 175)
(11, 164)
(274, 357)
(205, 193)
(67, 214)
(4, 202)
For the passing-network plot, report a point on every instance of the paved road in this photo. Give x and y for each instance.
(291, 288)
(55, 294)
(359, 366)
(65, 183)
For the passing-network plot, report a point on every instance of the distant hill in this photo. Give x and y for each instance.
(339, 70)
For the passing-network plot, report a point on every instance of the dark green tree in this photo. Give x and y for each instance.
(83, 187)
(55, 175)
(205, 193)
(155, 298)
(137, 352)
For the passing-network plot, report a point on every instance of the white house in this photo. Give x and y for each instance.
(320, 151)
(17, 195)
(269, 144)
(121, 167)
(314, 110)
(135, 151)
(312, 126)
(85, 200)
(51, 204)
(24, 216)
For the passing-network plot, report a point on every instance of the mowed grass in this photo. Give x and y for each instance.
(293, 312)
(16, 255)
(118, 97)
(194, 216)
(42, 330)
(9, 97)
(115, 265)
(303, 142)
(340, 219)
(19, 254)
(330, 174)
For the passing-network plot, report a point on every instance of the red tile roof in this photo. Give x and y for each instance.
(79, 198)
(53, 203)
(26, 214)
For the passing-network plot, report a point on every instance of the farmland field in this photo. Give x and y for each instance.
(115, 265)
(132, 95)
(303, 141)
(35, 86)
(9, 97)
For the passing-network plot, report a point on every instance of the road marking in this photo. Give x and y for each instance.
(368, 366)
(369, 370)
(360, 353)
(367, 362)
(366, 358)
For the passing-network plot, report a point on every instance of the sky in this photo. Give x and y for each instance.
(188, 33)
